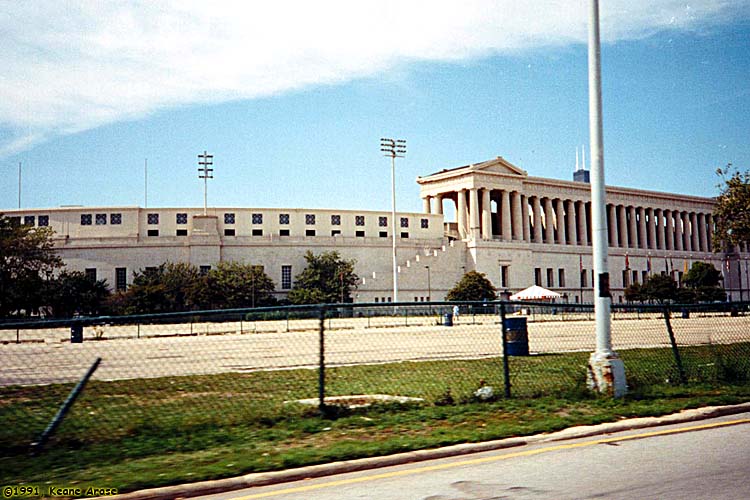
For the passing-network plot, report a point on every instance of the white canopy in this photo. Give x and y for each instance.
(535, 292)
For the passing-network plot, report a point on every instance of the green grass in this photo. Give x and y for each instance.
(152, 432)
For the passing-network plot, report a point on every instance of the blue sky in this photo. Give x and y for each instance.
(293, 99)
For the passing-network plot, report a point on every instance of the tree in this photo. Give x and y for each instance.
(27, 261)
(635, 293)
(167, 288)
(660, 288)
(327, 278)
(705, 282)
(732, 210)
(73, 292)
(473, 286)
(235, 285)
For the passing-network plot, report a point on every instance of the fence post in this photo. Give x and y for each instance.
(675, 351)
(321, 361)
(506, 368)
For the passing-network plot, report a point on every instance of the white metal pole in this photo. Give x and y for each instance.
(205, 184)
(394, 226)
(145, 183)
(19, 184)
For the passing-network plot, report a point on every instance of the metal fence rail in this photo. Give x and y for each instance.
(185, 371)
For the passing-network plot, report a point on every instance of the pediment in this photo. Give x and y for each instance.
(499, 165)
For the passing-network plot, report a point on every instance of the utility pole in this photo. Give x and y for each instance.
(606, 371)
(204, 172)
(145, 183)
(395, 148)
(19, 184)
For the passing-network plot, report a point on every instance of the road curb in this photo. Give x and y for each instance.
(333, 468)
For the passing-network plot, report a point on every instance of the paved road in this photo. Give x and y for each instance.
(350, 341)
(698, 460)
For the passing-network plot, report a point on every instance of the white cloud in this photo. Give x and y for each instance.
(72, 66)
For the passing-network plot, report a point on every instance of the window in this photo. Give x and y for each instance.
(635, 276)
(377, 299)
(425, 223)
(561, 278)
(335, 220)
(283, 232)
(310, 219)
(404, 234)
(181, 219)
(153, 218)
(286, 277)
(101, 219)
(257, 218)
(404, 222)
(383, 234)
(360, 234)
(182, 232)
(383, 221)
(550, 277)
(203, 270)
(644, 275)
(258, 232)
(538, 276)
(283, 218)
(153, 232)
(229, 218)
(121, 277)
(504, 276)
(85, 219)
(335, 232)
(359, 220)
(309, 232)
(584, 275)
(116, 219)
(625, 278)
(29, 220)
(43, 220)
(229, 232)
(90, 273)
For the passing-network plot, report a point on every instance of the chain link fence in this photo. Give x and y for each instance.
(198, 373)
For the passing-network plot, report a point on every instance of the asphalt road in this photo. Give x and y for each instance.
(697, 460)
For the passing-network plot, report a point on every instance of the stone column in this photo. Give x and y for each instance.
(460, 213)
(694, 243)
(437, 208)
(570, 214)
(517, 219)
(486, 215)
(474, 213)
(632, 228)
(686, 236)
(622, 225)
(643, 239)
(668, 231)
(659, 223)
(678, 231)
(525, 218)
(560, 214)
(549, 229)
(537, 209)
(505, 215)
(709, 233)
(612, 226)
(702, 232)
(651, 228)
(581, 218)
(426, 204)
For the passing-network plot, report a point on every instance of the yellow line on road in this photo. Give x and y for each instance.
(484, 460)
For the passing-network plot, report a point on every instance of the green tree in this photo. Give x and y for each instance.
(27, 261)
(732, 209)
(167, 288)
(635, 293)
(659, 288)
(235, 285)
(473, 286)
(73, 292)
(705, 282)
(327, 278)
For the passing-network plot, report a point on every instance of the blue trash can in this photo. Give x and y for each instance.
(448, 319)
(517, 337)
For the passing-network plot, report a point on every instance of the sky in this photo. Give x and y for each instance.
(292, 97)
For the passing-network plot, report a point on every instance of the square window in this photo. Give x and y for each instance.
(404, 234)
(153, 218)
(204, 270)
(383, 234)
(182, 232)
(29, 220)
(310, 219)
(85, 219)
(90, 273)
(43, 220)
(404, 222)
(257, 218)
(121, 282)
(229, 218)
(101, 219)
(335, 220)
(359, 220)
(335, 232)
(181, 218)
(286, 277)
(115, 219)
(425, 223)
(383, 221)
(229, 232)
(283, 232)
(153, 232)
(283, 218)
(258, 232)
(360, 234)
(310, 232)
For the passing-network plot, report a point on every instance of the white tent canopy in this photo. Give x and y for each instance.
(535, 292)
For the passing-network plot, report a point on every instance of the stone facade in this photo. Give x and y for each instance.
(518, 230)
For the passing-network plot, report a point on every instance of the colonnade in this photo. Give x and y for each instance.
(510, 215)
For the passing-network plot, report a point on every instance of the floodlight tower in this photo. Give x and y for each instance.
(204, 172)
(395, 148)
